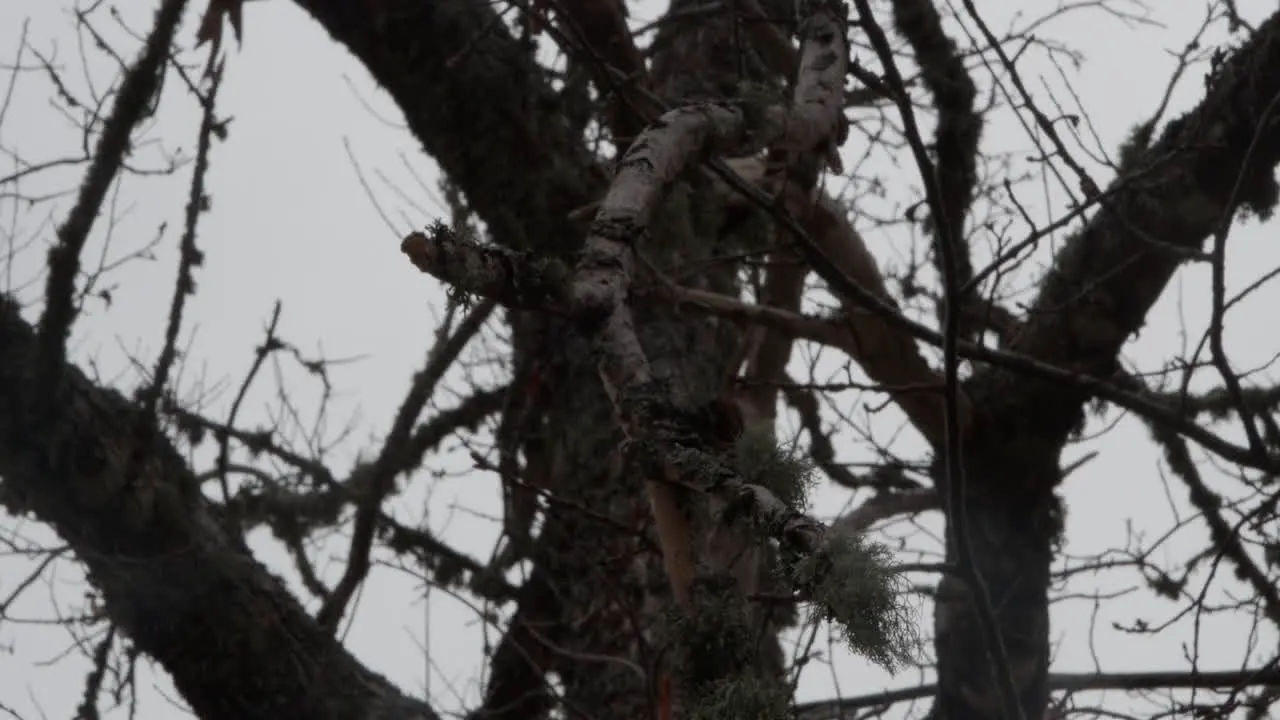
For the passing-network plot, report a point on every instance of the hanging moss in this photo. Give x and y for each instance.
(852, 583)
(713, 653)
(760, 461)
(711, 640)
(744, 698)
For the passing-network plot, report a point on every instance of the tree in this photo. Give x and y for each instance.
(642, 223)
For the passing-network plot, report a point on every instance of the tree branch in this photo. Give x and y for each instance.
(957, 134)
(524, 280)
(847, 708)
(621, 76)
(602, 279)
(171, 578)
(1225, 538)
(1105, 279)
(456, 72)
(383, 472)
(141, 81)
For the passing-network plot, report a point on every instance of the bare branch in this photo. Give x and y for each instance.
(528, 174)
(886, 505)
(385, 469)
(140, 83)
(189, 256)
(1105, 280)
(172, 580)
(1226, 539)
(847, 708)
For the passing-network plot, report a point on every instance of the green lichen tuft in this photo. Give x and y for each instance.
(713, 639)
(760, 461)
(714, 650)
(747, 698)
(852, 583)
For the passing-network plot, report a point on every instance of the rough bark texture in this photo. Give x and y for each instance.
(689, 352)
(236, 643)
(491, 124)
(472, 94)
(1103, 283)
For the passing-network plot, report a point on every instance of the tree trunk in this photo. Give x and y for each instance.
(1009, 473)
(613, 593)
(1204, 167)
(107, 481)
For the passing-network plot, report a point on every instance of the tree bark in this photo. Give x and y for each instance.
(473, 95)
(482, 108)
(1013, 518)
(1188, 185)
(233, 639)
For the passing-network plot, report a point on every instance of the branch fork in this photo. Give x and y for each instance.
(597, 291)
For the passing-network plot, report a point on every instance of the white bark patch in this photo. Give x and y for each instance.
(679, 139)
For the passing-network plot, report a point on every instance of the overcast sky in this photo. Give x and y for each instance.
(291, 220)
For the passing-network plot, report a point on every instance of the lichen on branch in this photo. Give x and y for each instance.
(513, 278)
(597, 295)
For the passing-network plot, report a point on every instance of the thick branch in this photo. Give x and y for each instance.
(1226, 680)
(886, 353)
(523, 280)
(170, 576)
(480, 105)
(1106, 279)
(619, 68)
(602, 280)
(879, 342)
(515, 279)
(517, 687)
(526, 281)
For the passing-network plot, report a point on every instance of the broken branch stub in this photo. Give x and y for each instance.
(597, 293)
(514, 279)
(674, 143)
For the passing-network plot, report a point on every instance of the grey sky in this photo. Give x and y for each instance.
(291, 221)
